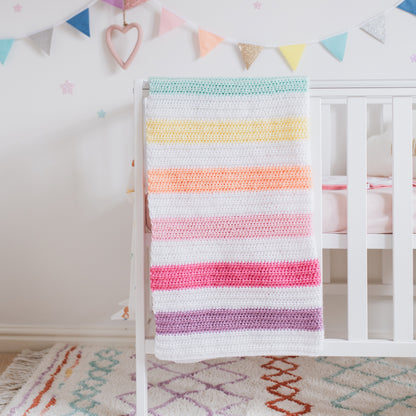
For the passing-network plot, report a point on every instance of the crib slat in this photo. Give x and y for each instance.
(316, 141)
(402, 219)
(139, 218)
(327, 139)
(326, 154)
(357, 218)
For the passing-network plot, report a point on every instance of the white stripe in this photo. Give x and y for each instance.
(175, 252)
(236, 298)
(235, 343)
(230, 203)
(198, 107)
(218, 155)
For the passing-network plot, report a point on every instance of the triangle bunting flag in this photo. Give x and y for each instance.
(207, 42)
(115, 3)
(168, 21)
(249, 53)
(81, 22)
(43, 40)
(292, 54)
(5, 46)
(376, 28)
(408, 6)
(336, 45)
(126, 4)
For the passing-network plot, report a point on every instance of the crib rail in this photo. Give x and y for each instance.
(356, 95)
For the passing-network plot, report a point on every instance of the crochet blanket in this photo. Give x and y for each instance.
(234, 270)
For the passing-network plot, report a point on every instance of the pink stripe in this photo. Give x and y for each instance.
(251, 226)
(279, 274)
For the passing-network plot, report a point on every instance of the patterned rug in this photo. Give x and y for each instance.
(100, 381)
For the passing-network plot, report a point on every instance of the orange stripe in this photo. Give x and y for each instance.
(229, 180)
(51, 403)
(48, 385)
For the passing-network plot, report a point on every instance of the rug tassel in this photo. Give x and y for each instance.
(18, 373)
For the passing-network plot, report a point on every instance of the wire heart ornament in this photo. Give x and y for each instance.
(124, 30)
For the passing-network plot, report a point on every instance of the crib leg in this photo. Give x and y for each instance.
(139, 246)
(141, 375)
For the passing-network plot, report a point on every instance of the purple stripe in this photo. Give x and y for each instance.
(218, 320)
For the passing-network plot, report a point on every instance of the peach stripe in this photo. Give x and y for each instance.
(229, 180)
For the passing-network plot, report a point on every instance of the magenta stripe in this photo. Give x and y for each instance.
(250, 226)
(280, 274)
(219, 320)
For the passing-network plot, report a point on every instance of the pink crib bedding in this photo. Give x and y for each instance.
(379, 205)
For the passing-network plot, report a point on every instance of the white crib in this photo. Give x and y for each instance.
(394, 99)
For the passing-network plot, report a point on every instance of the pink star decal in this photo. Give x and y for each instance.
(413, 58)
(257, 5)
(67, 87)
(17, 8)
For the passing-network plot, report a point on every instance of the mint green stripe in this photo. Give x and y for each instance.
(228, 86)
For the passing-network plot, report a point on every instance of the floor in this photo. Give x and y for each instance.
(5, 359)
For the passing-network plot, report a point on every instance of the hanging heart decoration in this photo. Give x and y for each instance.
(124, 29)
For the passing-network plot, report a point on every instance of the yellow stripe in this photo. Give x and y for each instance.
(196, 131)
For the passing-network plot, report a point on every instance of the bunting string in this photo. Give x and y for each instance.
(335, 44)
(159, 5)
(60, 22)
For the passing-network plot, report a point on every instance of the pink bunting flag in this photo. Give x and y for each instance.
(207, 42)
(168, 21)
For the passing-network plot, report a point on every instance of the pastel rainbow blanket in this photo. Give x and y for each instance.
(234, 270)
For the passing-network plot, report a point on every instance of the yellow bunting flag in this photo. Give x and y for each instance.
(249, 53)
(207, 42)
(292, 54)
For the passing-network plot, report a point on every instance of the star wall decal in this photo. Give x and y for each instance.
(413, 58)
(67, 87)
(257, 5)
(101, 113)
(18, 8)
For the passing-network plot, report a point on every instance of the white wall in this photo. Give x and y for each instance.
(64, 219)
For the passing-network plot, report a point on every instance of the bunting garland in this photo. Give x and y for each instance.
(5, 46)
(292, 54)
(408, 6)
(207, 42)
(81, 22)
(335, 45)
(249, 53)
(43, 40)
(376, 28)
(168, 21)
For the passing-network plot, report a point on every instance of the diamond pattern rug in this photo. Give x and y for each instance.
(73, 380)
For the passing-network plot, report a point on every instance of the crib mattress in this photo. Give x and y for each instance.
(379, 210)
